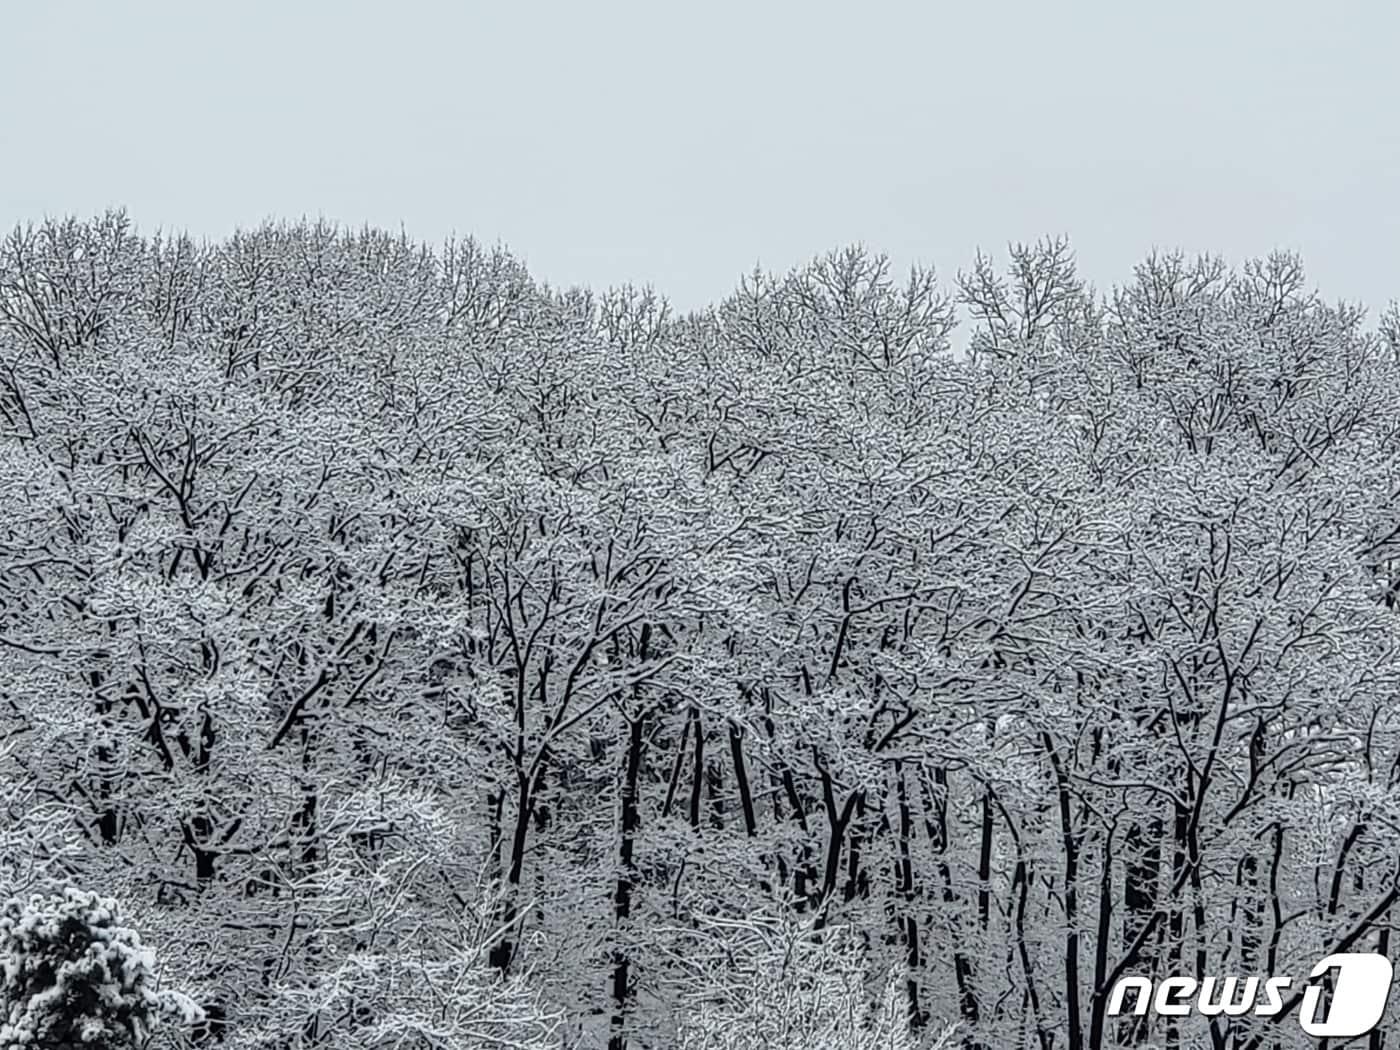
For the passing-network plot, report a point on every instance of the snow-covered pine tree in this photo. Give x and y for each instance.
(72, 975)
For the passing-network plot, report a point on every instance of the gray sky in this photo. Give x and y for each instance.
(681, 143)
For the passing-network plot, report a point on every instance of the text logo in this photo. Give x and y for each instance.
(1360, 986)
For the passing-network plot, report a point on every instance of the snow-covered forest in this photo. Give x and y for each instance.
(427, 657)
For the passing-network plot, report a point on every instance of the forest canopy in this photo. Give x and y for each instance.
(426, 656)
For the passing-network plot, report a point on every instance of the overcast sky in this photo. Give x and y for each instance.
(681, 143)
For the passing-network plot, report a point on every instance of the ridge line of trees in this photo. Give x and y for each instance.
(368, 611)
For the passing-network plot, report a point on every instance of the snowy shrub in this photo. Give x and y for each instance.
(380, 1000)
(71, 975)
(430, 988)
(781, 983)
